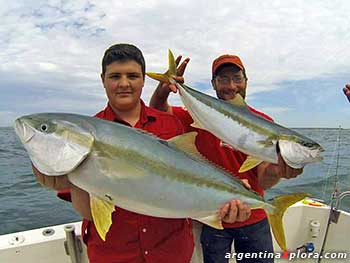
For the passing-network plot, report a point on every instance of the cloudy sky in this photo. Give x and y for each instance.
(297, 53)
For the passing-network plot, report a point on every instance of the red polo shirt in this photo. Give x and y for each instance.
(136, 238)
(225, 156)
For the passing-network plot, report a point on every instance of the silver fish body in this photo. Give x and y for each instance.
(119, 165)
(136, 170)
(247, 131)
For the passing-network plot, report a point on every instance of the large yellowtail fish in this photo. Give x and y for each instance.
(235, 124)
(127, 167)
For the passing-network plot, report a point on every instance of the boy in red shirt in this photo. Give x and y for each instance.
(132, 238)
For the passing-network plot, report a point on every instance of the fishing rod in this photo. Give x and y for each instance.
(334, 200)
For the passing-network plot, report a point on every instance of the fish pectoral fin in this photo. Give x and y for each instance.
(238, 101)
(213, 221)
(101, 211)
(249, 164)
(186, 143)
(166, 77)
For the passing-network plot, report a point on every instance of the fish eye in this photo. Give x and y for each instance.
(44, 127)
(307, 144)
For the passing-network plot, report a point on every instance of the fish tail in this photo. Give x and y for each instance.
(280, 204)
(166, 77)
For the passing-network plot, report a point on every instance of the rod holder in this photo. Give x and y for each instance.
(72, 244)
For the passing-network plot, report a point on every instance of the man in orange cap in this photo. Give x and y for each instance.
(250, 230)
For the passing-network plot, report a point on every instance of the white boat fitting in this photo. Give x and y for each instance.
(305, 224)
(55, 244)
(316, 233)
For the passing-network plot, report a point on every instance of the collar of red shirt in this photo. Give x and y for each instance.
(147, 114)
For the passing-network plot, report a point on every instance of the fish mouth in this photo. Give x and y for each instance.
(24, 131)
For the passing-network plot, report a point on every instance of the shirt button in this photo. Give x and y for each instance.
(146, 252)
(144, 230)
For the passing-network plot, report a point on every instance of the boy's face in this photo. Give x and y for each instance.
(123, 82)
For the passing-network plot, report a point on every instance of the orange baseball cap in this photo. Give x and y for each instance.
(226, 59)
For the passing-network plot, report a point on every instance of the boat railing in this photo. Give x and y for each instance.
(340, 198)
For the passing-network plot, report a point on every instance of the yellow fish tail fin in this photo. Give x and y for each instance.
(162, 77)
(166, 77)
(281, 203)
(172, 64)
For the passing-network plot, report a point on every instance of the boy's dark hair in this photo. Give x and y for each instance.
(123, 52)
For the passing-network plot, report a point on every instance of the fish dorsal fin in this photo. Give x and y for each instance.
(238, 101)
(213, 221)
(101, 211)
(249, 164)
(186, 143)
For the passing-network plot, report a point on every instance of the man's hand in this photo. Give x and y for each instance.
(285, 171)
(54, 182)
(179, 73)
(346, 91)
(235, 210)
(270, 174)
(159, 99)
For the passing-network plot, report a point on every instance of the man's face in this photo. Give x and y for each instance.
(123, 82)
(229, 81)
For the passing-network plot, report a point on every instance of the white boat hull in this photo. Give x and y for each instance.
(33, 246)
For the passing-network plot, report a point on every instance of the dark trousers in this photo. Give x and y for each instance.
(250, 239)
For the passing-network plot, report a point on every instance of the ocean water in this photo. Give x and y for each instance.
(24, 204)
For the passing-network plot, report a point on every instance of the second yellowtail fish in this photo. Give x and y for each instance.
(235, 124)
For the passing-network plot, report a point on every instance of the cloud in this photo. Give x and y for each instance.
(57, 45)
